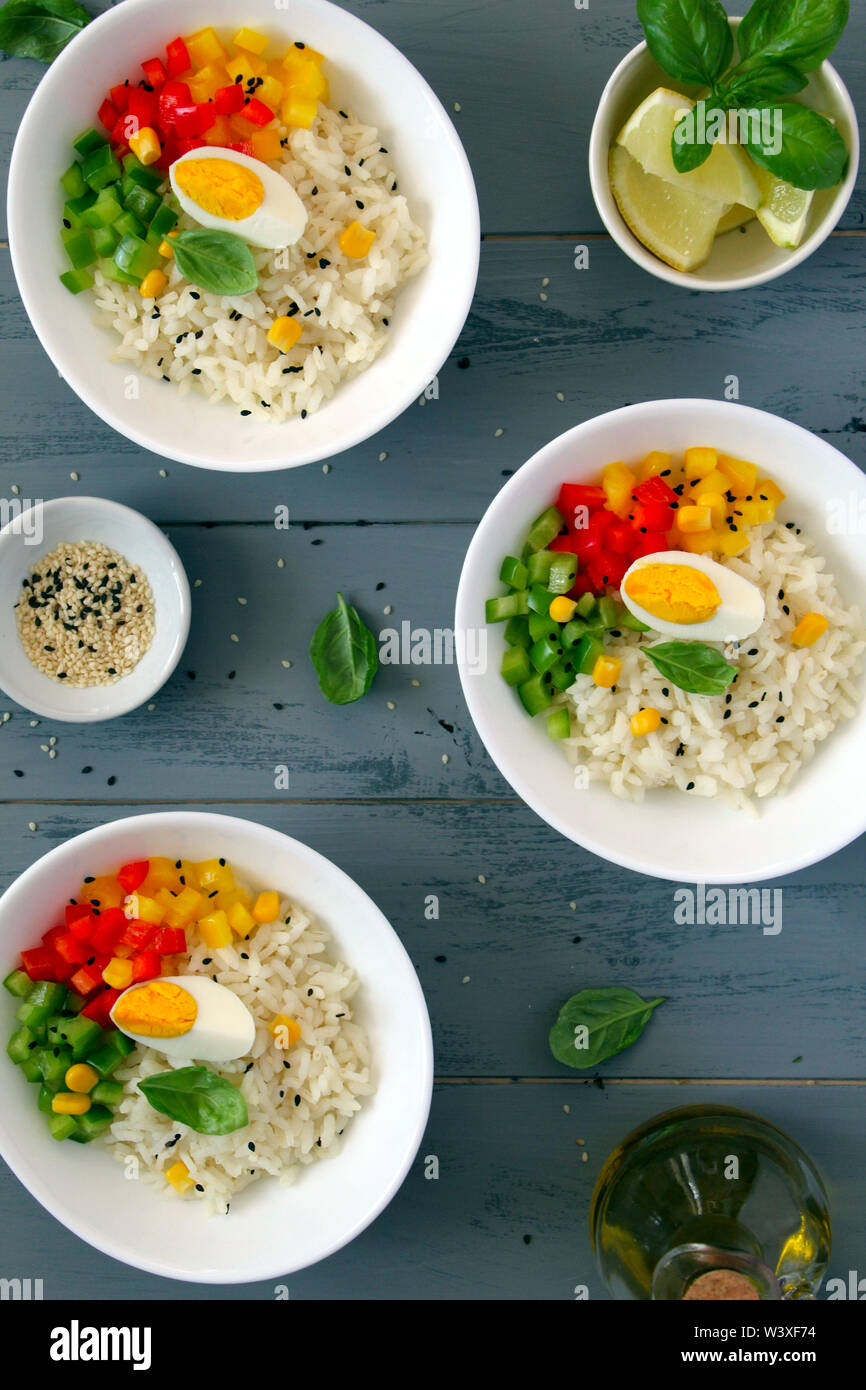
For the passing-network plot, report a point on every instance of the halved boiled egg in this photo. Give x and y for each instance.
(186, 1016)
(691, 596)
(230, 192)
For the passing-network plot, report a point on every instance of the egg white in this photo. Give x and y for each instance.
(224, 1028)
(278, 221)
(740, 613)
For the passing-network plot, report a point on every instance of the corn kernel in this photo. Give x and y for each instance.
(654, 465)
(700, 461)
(562, 609)
(178, 1176)
(166, 249)
(355, 241)
(215, 929)
(809, 629)
(153, 284)
(717, 505)
(70, 1103)
(285, 1031)
(690, 519)
(646, 721)
(618, 483)
(118, 973)
(284, 332)
(741, 474)
(240, 918)
(251, 40)
(145, 145)
(606, 671)
(299, 111)
(204, 47)
(81, 1078)
(267, 907)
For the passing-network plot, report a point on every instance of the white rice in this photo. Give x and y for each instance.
(784, 702)
(299, 1099)
(345, 307)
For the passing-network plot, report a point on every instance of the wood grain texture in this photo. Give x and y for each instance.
(507, 1217)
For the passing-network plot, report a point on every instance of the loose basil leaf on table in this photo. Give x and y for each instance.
(343, 651)
(40, 28)
(801, 32)
(812, 155)
(198, 1097)
(692, 666)
(218, 262)
(596, 1024)
(690, 39)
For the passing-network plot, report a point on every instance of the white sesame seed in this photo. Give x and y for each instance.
(457, 106)
(388, 609)
(445, 758)
(416, 682)
(52, 741)
(482, 878)
(567, 1109)
(74, 477)
(234, 637)
(584, 1157)
(44, 747)
(498, 433)
(281, 564)
(545, 282)
(390, 704)
(383, 456)
(52, 752)
(242, 601)
(465, 980)
(15, 489)
(151, 707)
(326, 468)
(287, 664)
(34, 723)
(560, 395)
(573, 906)
(543, 297)
(196, 583)
(163, 472)
(31, 825)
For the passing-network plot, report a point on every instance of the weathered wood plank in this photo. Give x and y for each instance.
(603, 337)
(739, 1003)
(507, 1217)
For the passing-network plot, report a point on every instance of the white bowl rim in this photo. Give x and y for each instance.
(642, 256)
(63, 355)
(497, 749)
(108, 1244)
(169, 557)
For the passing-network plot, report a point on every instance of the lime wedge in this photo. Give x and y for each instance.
(726, 175)
(675, 224)
(784, 209)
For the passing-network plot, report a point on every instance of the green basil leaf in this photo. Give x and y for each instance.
(343, 651)
(812, 153)
(692, 666)
(802, 32)
(598, 1023)
(760, 79)
(215, 261)
(690, 147)
(40, 28)
(690, 39)
(198, 1097)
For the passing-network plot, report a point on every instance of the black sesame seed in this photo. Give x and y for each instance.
(690, 786)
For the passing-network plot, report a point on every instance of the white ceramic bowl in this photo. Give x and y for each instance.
(740, 259)
(34, 533)
(271, 1230)
(671, 835)
(366, 72)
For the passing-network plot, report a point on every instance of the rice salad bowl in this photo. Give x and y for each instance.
(207, 1076)
(680, 622)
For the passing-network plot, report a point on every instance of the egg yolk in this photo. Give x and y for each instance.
(156, 1010)
(221, 187)
(674, 593)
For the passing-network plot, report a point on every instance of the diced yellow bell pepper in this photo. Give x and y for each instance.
(697, 542)
(220, 132)
(711, 482)
(267, 906)
(184, 909)
(355, 241)
(768, 491)
(562, 609)
(81, 1078)
(270, 92)
(215, 929)
(241, 919)
(606, 671)
(232, 896)
(691, 519)
(244, 67)
(242, 128)
(752, 513)
(162, 872)
(653, 465)
(266, 144)
(741, 474)
(284, 332)
(284, 1030)
(717, 504)
(118, 973)
(251, 40)
(305, 79)
(810, 627)
(303, 50)
(204, 84)
(102, 891)
(299, 111)
(70, 1103)
(700, 461)
(618, 483)
(729, 542)
(189, 874)
(143, 909)
(178, 1176)
(646, 721)
(204, 47)
(153, 284)
(145, 145)
(215, 873)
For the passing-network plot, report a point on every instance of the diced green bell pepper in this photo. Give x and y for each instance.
(544, 654)
(91, 1125)
(105, 240)
(538, 566)
(586, 653)
(562, 675)
(513, 605)
(545, 528)
(78, 246)
(143, 174)
(162, 223)
(76, 280)
(515, 666)
(44, 999)
(21, 1044)
(540, 599)
(44, 1101)
(110, 1055)
(88, 141)
(18, 983)
(72, 182)
(608, 611)
(107, 1093)
(142, 202)
(83, 1036)
(559, 724)
(54, 1063)
(104, 212)
(513, 571)
(535, 694)
(32, 1069)
(542, 625)
(627, 619)
(74, 207)
(563, 573)
(517, 632)
(586, 605)
(135, 257)
(100, 167)
(61, 1126)
(112, 271)
(129, 225)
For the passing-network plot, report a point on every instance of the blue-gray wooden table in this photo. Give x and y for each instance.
(398, 789)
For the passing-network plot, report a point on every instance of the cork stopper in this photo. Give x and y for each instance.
(721, 1285)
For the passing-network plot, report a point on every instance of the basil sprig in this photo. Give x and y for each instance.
(198, 1097)
(218, 262)
(780, 42)
(598, 1023)
(40, 28)
(343, 651)
(692, 666)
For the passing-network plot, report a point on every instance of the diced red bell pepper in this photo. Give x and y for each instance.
(169, 941)
(98, 1009)
(122, 131)
(257, 112)
(206, 116)
(229, 100)
(655, 490)
(49, 937)
(132, 875)
(177, 59)
(73, 951)
(143, 105)
(652, 516)
(184, 146)
(87, 979)
(242, 147)
(81, 927)
(119, 97)
(574, 495)
(648, 544)
(41, 963)
(73, 911)
(169, 155)
(171, 96)
(108, 114)
(154, 71)
(582, 585)
(107, 929)
(146, 966)
(606, 570)
(190, 120)
(619, 537)
(569, 545)
(592, 538)
(136, 934)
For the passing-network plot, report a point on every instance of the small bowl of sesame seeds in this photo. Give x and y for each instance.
(95, 609)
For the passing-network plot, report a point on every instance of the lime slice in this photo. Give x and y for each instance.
(737, 217)
(726, 176)
(784, 209)
(675, 224)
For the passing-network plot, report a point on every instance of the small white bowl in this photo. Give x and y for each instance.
(367, 73)
(271, 1230)
(739, 259)
(671, 835)
(34, 533)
